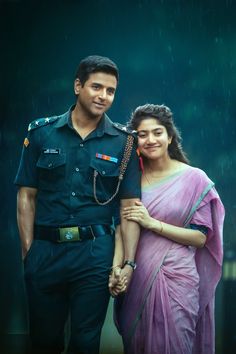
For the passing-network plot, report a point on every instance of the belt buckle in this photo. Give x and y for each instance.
(69, 234)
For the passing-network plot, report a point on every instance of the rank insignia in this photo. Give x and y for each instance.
(106, 157)
(26, 142)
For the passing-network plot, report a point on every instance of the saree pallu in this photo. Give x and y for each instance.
(169, 305)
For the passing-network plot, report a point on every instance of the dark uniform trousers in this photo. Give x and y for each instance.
(68, 277)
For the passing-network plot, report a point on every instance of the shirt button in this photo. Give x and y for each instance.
(81, 145)
(103, 172)
(77, 169)
(73, 193)
(50, 164)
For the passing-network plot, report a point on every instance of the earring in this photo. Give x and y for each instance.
(141, 165)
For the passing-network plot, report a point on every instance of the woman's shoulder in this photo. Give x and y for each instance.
(198, 174)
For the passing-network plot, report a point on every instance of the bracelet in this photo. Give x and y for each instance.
(160, 232)
(115, 266)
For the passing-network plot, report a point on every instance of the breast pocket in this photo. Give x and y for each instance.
(52, 170)
(107, 177)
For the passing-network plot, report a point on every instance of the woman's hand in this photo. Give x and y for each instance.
(117, 282)
(137, 213)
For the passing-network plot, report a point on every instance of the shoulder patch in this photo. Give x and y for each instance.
(123, 128)
(41, 122)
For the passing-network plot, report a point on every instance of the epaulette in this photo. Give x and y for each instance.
(124, 128)
(41, 122)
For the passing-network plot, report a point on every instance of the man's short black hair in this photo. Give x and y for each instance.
(93, 64)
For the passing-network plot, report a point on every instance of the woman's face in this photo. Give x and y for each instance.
(153, 139)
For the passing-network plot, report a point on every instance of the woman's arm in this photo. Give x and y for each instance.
(177, 234)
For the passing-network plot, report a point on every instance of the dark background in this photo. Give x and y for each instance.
(180, 53)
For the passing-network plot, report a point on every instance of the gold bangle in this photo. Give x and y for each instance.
(160, 232)
(116, 266)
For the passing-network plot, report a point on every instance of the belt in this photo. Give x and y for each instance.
(71, 233)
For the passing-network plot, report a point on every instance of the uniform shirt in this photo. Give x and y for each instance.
(60, 164)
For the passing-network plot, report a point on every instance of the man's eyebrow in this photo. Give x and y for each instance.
(99, 84)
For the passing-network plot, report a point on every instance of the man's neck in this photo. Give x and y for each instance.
(83, 124)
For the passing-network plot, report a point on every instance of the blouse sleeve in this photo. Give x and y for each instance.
(203, 215)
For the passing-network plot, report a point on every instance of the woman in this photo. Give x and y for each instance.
(169, 305)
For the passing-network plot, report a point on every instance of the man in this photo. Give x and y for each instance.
(75, 170)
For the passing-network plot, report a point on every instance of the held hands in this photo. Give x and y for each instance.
(117, 281)
(137, 213)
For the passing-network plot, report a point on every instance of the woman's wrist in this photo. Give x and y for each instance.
(152, 224)
(113, 267)
(156, 226)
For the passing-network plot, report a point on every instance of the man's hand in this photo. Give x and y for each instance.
(127, 272)
(25, 249)
(117, 281)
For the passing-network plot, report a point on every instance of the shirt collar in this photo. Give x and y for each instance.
(105, 125)
(65, 119)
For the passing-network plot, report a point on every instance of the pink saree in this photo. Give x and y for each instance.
(169, 306)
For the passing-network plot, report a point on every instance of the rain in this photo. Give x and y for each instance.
(180, 53)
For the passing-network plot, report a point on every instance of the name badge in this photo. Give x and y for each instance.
(51, 151)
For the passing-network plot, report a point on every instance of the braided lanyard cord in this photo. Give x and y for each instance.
(123, 166)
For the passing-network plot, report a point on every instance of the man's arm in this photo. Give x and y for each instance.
(26, 201)
(116, 283)
(118, 258)
(130, 233)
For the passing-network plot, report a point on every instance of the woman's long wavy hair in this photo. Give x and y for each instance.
(165, 117)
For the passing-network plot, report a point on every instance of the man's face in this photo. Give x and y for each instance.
(97, 94)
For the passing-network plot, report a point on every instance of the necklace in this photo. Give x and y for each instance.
(152, 177)
(146, 178)
(155, 178)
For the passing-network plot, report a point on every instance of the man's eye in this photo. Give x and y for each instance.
(111, 91)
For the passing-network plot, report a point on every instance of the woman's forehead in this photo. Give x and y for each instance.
(149, 124)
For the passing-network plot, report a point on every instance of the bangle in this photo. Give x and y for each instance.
(160, 232)
(116, 266)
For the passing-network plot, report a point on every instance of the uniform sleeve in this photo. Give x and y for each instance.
(116, 216)
(27, 175)
(131, 184)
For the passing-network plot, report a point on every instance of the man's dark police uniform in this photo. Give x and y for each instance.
(72, 206)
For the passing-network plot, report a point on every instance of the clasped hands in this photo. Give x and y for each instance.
(119, 279)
